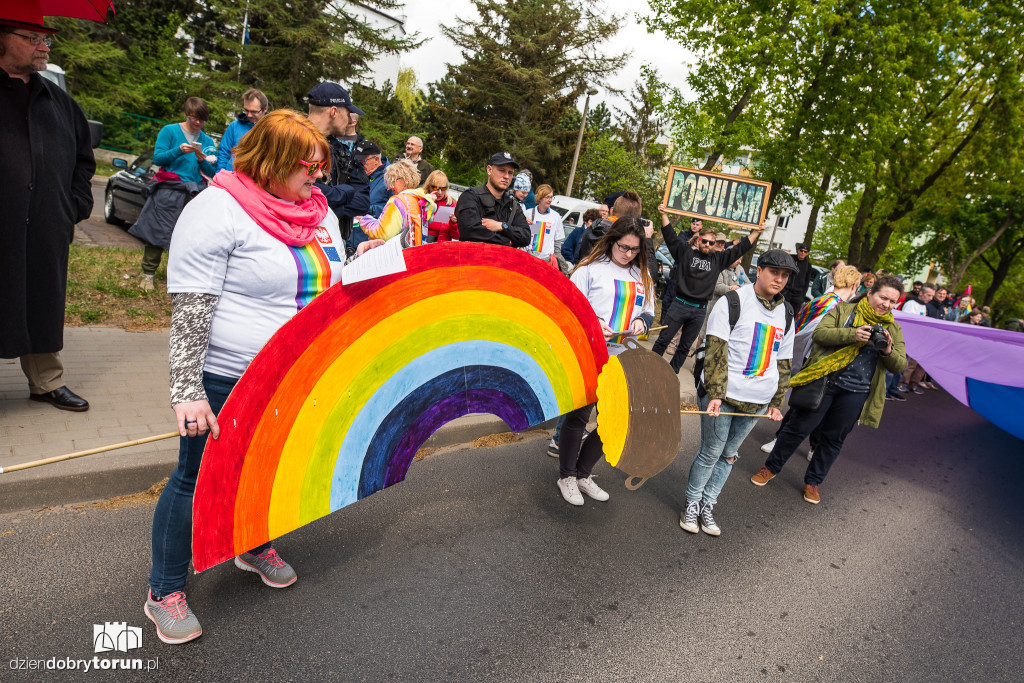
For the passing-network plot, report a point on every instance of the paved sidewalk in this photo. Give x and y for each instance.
(124, 377)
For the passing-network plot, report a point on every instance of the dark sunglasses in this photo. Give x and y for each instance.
(313, 167)
(708, 242)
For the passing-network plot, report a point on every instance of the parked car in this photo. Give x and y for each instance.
(124, 196)
(571, 209)
(665, 264)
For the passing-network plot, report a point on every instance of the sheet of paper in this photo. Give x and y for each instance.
(386, 259)
(443, 214)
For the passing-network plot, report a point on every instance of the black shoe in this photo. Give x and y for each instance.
(63, 398)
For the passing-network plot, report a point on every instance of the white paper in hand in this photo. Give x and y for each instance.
(386, 259)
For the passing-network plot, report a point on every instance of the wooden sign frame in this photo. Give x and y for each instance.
(730, 197)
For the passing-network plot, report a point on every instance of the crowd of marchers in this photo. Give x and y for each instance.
(258, 226)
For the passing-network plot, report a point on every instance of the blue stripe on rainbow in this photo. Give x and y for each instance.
(314, 273)
(760, 356)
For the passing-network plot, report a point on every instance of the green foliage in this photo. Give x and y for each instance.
(609, 167)
(526, 65)
(386, 121)
(292, 44)
(890, 99)
(643, 122)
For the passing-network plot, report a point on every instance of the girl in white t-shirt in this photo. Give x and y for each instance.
(617, 283)
(546, 230)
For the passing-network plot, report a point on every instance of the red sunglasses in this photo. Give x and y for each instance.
(313, 167)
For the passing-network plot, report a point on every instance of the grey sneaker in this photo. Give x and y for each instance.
(688, 520)
(146, 283)
(707, 522)
(175, 623)
(553, 448)
(274, 571)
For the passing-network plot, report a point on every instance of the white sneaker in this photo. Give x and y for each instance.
(592, 489)
(810, 454)
(767, 448)
(553, 448)
(570, 491)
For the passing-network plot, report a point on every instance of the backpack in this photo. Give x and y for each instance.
(734, 315)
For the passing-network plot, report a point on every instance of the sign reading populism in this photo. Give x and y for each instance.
(716, 197)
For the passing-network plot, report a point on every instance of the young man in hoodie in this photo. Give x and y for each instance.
(254, 106)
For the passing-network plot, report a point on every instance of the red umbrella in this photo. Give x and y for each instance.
(30, 13)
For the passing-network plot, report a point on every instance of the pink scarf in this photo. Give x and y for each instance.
(294, 223)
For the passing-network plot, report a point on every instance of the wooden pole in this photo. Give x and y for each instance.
(91, 451)
(704, 412)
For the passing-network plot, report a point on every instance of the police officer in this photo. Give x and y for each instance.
(348, 189)
(489, 212)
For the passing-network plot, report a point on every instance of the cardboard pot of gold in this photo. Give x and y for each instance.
(638, 413)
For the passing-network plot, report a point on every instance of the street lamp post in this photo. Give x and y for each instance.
(579, 141)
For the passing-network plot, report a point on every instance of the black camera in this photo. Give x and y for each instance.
(878, 338)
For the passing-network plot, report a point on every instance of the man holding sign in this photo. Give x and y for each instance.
(698, 267)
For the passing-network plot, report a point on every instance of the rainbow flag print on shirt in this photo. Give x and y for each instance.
(314, 271)
(541, 238)
(629, 297)
(766, 340)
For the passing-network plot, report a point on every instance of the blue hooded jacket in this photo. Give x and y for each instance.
(235, 130)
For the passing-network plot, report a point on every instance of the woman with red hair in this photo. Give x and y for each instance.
(246, 254)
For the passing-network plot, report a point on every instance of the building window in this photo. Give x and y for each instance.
(784, 222)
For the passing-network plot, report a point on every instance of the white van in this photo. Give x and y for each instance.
(571, 209)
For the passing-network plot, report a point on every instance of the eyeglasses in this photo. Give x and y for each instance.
(35, 40)
(313, 167)
(627, 250)
(253, 112)
(805, 251)
(195, 118)
(710, 242)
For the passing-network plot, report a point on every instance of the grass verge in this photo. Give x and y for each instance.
(103, 287)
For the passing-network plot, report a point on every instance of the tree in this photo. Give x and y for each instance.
(289, 45)
(526, 64)
(609, 167)
(884, 100)
(642, 124)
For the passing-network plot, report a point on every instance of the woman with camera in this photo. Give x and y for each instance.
(854, 345)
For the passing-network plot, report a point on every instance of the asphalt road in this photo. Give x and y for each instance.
(474, 569)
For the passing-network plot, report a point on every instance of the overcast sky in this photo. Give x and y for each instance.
(431, 59)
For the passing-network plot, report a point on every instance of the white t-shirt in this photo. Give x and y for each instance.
(545, 228)
(616, 294)
(755, 345)
(262, 282)
(914, 307)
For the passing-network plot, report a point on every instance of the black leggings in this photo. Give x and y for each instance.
(574, 461)
(833, 420)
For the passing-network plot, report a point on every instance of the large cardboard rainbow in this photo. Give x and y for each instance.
(341, 398)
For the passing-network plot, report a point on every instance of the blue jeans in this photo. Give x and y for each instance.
(172, 520)
(892, 383)
(720, 439)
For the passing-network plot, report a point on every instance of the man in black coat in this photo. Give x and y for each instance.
(489, 213)
(698, 265)
(46, 164)
(796, 289)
